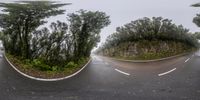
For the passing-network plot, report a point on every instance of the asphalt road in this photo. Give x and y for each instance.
(105, 79)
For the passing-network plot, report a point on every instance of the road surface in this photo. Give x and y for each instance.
(105, 79)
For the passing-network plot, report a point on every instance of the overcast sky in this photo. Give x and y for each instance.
(124, 11)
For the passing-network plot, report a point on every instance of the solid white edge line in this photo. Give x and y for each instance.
(42, 79)
(187, 60)
(122, 72)
(167, 72)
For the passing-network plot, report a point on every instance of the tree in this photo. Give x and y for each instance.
(149, 29)
(197, 35)
(49, 44)
(85, 27)
(69, 42)
(53, 46)
(21, 18)
(196, 19)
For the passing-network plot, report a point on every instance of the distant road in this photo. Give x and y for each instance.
(105, 79)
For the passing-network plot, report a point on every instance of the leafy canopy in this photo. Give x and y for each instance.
(85, 27)
(20, 19)
(196, 19)
(150, 29)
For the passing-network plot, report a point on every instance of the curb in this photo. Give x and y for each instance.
(147, 61)
(43, 79)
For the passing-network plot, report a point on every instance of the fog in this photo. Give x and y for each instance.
(124, 11)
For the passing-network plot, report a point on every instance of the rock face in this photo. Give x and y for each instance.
(134, 49)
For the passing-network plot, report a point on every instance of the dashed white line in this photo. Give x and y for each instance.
(167, 72)
(187, 60)
(122, 72)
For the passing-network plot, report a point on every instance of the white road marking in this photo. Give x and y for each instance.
(122, 72)
(187, 60)
(167, 72)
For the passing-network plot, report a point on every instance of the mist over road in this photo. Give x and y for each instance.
(106, 79)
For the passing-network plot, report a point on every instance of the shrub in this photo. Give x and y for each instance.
(71, 64)
(81, 60)
(55, 68)
(27, 61)
(40, 65)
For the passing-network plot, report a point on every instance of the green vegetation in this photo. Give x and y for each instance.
(196, 20)
(1, 35)
(148, 39)
(61, 45)
(197, 35)
(38, 68)
(21, 19)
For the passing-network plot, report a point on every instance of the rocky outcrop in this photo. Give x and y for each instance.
(134, 49)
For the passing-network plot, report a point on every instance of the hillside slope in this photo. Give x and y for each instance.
(147, 38)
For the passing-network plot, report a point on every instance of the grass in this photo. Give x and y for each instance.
(38, 69)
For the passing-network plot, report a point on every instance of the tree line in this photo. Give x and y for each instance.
(74, 39)
(156, 28)
(196, 20)
(147, 37)
(151, 29)
(57, 44)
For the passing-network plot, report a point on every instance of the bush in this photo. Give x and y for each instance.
(71, 64)
(81, 60)
(40, 65)
(36, 62)
(55, 68)
(27, 61)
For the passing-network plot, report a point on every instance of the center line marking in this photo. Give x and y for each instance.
(187, 60)
(167, 72)
(122, 72)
